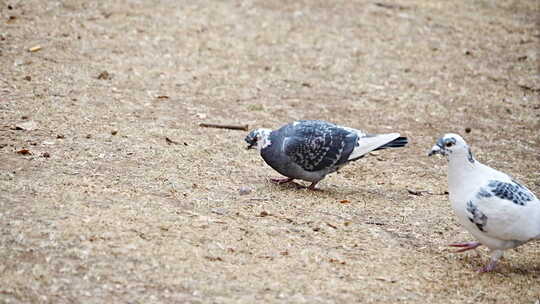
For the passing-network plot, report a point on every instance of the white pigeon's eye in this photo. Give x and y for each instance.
(449, 144)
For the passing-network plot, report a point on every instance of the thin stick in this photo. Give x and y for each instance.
(220, 126)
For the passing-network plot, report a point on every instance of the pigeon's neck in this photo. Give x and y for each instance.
(461, 164)
(264, 140)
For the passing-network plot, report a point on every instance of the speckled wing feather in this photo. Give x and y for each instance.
(514, 192)
(318, 145)
(500, 209)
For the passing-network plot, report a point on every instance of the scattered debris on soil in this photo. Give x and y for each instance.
(34, 48)
(104, 76)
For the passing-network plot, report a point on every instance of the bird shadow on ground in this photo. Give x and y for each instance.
(520, 269)
(505, 267)
(294, 185)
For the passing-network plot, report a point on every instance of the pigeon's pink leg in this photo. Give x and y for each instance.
(282, 180)
(465, 246)
(489, 267)
(495, 256)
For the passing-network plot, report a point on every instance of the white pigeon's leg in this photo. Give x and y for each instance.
(282, 180)
(495, 256)
(465, 246)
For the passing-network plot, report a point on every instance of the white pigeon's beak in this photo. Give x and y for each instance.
(436, 150)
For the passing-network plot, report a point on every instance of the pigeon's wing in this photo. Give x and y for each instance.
(505, 210)
(317, 145)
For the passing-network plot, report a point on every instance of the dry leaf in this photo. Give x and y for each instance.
(345, 201)
(24, 152)
(104, 75)
(336, 261)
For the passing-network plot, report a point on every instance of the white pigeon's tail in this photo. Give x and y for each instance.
(368, 143)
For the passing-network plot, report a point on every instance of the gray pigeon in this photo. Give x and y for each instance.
(497, 210)
(311, 149)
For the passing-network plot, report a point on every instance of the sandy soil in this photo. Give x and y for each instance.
(97, 206)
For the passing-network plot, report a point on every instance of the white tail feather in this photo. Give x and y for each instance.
(369, 143)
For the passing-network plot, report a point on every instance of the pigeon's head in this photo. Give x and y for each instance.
(258, 138)
(449, 144)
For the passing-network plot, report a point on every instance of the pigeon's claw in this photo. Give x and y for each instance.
(282, 180)
(312, 186)
(488, 268)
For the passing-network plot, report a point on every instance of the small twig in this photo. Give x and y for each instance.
(259, 199)
(220, 126)
(418, 192)
(376, 223)
(528, 88)
(422, 192)
(170, 141)
(331, 226)
(390, 6)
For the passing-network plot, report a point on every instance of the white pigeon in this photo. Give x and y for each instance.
(311, 149)
(497, 210)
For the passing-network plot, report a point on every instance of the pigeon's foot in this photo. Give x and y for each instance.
(495, 256)
(489, 267)
(312, 186)
(465, 246)
(291, 180)
(287, 180)
(282, 180)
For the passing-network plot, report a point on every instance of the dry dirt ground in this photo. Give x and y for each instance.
(97, 206)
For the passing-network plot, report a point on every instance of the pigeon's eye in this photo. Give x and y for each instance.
(449, 144)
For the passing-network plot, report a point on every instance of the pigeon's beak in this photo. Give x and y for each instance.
(250, 146)
(436, 150)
